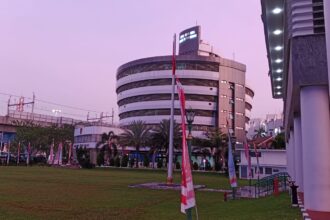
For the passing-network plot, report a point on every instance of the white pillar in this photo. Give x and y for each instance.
(288, 165)
(315, 123)
(292, 156)
(326, 6)
(298, 153)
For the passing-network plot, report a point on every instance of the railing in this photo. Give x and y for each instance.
(265, 186)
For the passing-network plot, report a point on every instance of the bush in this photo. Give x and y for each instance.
(83, 158)
(208, 166)
(111, 162)
(117, 162)
(217, 166)
(124, 161)
(195, 166)
(146, 161)
(131, 162)
(160, 163)
(100, 158)
(177, 166)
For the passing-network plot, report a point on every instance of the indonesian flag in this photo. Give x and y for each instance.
(60, 151)
(173, 56)
(8, 155)
(28, 154)
(187, 187)
(51, 154)
(248, 159)
(231, 164)
(18, 152)
(70, 152)
(257, 157)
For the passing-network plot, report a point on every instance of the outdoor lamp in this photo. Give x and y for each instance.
(190, 115)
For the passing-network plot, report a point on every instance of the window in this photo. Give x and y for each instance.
(275, 170)
(268, 171)
(261, 170)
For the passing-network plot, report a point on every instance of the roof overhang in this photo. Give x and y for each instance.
(273, 20)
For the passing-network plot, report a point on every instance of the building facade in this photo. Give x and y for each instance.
(271, 161)
(272, 125)
(214, 86)
(298, 50)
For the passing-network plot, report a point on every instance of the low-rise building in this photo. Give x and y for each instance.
(271, 161)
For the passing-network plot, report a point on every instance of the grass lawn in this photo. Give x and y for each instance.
(53, 193)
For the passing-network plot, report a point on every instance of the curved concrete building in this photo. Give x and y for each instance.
(214, 86)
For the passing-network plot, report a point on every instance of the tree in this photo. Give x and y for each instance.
(137, 134)
(161, 134)
(260, 133)
(41, 137)
(216, 141)
(107, 148)
(279, 141)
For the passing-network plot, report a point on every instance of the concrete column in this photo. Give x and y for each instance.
(292, 156)
(326, 6)
(315, 123)
(288, 165)
(298, 153)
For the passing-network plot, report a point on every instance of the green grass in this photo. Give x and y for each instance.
(50, 193)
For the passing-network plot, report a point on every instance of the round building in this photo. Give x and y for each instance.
(214, 88)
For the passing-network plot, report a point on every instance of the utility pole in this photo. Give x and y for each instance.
(20, 105)
(102, 116)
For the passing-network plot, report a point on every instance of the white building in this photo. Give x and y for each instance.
(271, 161)
(272, 124)
(87, 136)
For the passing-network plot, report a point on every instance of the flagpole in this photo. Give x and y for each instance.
(170, 148)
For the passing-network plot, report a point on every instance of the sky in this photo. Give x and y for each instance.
(68, 51)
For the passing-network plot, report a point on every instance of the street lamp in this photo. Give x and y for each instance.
(190, 115)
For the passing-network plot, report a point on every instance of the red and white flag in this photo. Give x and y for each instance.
(173, 56)
(248, 158)
(28, 154)
(18, 152)
(51, 154)
(187, 187)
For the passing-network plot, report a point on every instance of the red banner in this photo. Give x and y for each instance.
(187, 187)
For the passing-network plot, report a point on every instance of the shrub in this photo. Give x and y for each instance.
(83, 158)
(111, 162)
(117, 162)
(146, 161)
(177, 165)
(131, 162)
(100, 158)
(160, 163)
(195, 166)
(208, 166)
(217, 166)
(124, 161)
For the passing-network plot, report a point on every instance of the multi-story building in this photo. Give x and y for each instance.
(214, 86)
(298, 47)
(272, 125)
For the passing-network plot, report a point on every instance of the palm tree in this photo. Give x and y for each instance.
(161, 134)
(260, 133)
(107, 142)
(137, 134)
(216, 141)
(279, 141)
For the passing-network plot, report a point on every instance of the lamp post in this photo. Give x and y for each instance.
(190, 115)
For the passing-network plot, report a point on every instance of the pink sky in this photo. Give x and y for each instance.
(67, 51)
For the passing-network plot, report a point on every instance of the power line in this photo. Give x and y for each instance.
(53, 103)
